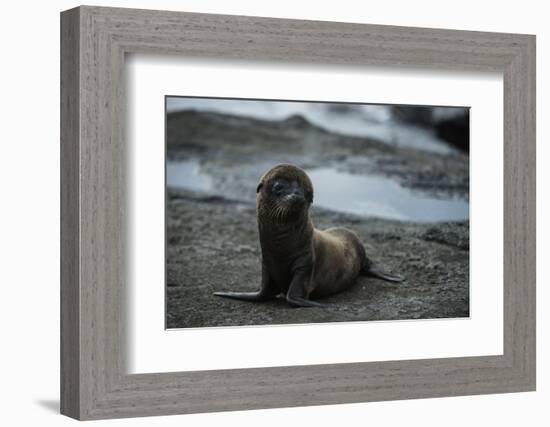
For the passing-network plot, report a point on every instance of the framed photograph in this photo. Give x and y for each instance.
(262, 213)
(396, 176)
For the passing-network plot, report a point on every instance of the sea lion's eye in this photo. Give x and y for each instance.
(278, 187)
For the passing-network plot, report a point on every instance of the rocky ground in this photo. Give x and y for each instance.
(213, 246)
(212, 240)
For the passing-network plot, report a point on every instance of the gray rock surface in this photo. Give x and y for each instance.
(214, 246)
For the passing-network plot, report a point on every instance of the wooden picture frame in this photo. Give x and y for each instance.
(94, 41)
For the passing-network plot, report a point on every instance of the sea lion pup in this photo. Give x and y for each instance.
(298, 260)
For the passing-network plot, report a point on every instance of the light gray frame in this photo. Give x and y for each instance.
(94, 41)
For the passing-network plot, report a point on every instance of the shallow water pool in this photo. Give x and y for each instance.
(369, 195)
(376, 195)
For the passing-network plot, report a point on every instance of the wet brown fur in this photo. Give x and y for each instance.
(299, 260)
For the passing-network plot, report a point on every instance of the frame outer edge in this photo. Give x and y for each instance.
(89, 353)
(532, 137)
(520, 216)
(527, 78)
(70, 396)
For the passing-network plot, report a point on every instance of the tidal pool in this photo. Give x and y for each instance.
(187, 174)
(368, 195)
(376, 195)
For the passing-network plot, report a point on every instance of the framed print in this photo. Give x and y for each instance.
(291, 213)
(352, 180)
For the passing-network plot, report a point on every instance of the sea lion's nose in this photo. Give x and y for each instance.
(295, 196)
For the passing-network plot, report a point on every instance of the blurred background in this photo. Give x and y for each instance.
(398, 162)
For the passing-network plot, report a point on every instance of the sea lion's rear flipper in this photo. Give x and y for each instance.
(377, 271)
(372, 269)
(246, 296)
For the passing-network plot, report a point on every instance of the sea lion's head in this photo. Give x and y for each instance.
(284, 194)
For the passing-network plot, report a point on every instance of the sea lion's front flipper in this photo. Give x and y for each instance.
(303, 302)
(297, 295)
(246, 296)
(265, 293)
(377, 271)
